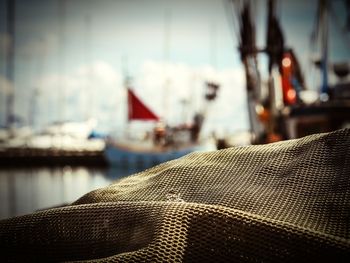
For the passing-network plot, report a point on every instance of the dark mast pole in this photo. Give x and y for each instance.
(248, 51)
(10, 63)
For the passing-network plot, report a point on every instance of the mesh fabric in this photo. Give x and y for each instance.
(281, 202)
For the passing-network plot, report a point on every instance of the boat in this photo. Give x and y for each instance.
(280, 104)
(163, 143)
(124, 154)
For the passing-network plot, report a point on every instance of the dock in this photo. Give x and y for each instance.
(24, 156)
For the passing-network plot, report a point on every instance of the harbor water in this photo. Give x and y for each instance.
(26, 190)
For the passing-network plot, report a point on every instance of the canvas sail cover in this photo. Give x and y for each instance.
(137, 110)
(280, 202)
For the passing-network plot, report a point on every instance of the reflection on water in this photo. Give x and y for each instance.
(25, 190)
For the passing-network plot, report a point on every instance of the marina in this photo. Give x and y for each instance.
(174, 131)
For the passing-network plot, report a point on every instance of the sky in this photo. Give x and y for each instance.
(72, 56)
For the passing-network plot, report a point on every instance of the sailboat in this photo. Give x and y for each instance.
(162, 144)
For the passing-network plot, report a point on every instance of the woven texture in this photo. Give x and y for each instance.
(281, 202)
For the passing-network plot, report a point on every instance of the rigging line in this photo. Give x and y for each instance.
(230, 20)
(278, 10)
(237, 8)
(229, 10)
(315, 28)
(254, 12)
(337, 23)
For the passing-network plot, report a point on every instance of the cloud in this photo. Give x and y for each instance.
(88, 91)
(174, 91)
(164, 86)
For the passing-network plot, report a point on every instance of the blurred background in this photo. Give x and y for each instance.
(91, 91)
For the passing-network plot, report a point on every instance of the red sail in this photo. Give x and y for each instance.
(137, 110)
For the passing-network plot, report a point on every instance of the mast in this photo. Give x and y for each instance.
(274, 50)
(10, 61)
(320, 33)
(248, 52)
(324, 5)
(167, 26)
(213, 44)
(61, 62)
(126, 84)
(87, 46)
